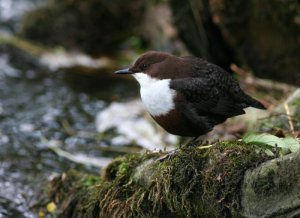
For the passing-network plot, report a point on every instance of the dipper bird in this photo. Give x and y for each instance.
(187, 96)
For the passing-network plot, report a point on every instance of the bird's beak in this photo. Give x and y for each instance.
(124, 71)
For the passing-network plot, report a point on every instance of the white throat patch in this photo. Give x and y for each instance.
(156, 94)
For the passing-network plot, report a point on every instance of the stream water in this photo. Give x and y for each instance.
(49, 124)
(39, 109)
(51, 121)
(11, 12)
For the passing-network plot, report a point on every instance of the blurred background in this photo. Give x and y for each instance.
(62, 107)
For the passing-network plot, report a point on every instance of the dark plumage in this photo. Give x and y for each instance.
(206, 95)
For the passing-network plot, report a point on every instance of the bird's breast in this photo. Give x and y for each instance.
(176, 123)
(158, 97)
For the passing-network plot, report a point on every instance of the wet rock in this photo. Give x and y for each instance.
(92, 26)
(272, 189)
(194, 22)
(131, 126)
(263, 36)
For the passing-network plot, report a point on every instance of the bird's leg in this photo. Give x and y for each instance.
(183, 143)
(187, 142)
(192, 143)
(195, 142)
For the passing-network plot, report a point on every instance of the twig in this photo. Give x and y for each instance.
(293, 119)
(205, 146)
(288, 113)
(81, 158)
(249, 79)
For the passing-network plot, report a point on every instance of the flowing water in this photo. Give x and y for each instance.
(37, 109)
(56, 116)
(11, 12)
(59, 119)
(41, 110)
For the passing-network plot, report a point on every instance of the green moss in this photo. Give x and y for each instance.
(123, 166)
(274, 179)
(223, 177)
(264, 185)
(290, 171)
(74, 188)
(191, 182)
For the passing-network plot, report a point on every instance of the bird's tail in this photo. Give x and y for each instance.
(254, 103)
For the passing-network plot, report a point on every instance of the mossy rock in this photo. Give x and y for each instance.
(92, 26)
(191, 182)
(273, 188)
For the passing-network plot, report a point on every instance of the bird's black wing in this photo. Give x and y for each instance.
(210, 95)
(204, 103)
(211, 89)
(207, 98)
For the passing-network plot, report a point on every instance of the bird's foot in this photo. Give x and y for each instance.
(192, 144)
(195, 142)
(199, 143)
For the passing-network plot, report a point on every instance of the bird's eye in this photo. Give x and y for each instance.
(145, 66)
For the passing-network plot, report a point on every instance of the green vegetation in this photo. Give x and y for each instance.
(191, 182)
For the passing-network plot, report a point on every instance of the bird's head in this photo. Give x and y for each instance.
(152, 65)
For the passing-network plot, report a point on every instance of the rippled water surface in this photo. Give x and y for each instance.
(12, 10)
(52, 117)
(40, 110)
